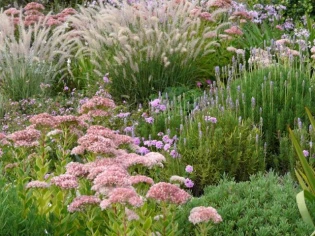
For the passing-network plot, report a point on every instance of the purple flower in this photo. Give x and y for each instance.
(211, 119)
(166, 147)
(306, 153)
(199, 84)
(159, 144)
(128, 129)
(174, 154)
(155, 102)
(162, 107)
(189, 183)
(143, 150)
(149, 120)
(136, 141)
(189, 169)
(106, 79)
(123, 115)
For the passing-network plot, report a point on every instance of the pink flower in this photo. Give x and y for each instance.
(12, 11)
(220, 3)
(155, 157)
(69, 11)
(43, 119)
(189, 169)
(28, 137)
(79, 202)
(168, 193)
(122, 196)
(37, 184)
(79, 150)
(141, 179)
(115, 176)
(34, 6)
(204, 214)
(76, 169)
(234, 30)
(65, 181)
(97, 102)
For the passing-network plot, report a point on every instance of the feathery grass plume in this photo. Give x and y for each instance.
(29, 55)
(145, 47)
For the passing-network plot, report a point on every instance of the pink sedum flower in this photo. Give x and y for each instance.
(141, 179)
(76, 169)
(65, 181)
(167, 192)
(204, 214)
(79, 202)
(125, 195)
(37, 184)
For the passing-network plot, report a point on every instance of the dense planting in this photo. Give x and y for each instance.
(129, 117)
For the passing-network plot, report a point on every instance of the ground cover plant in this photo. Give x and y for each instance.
(163, 117)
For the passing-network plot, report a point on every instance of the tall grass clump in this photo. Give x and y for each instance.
(30, 56)
(146, 47)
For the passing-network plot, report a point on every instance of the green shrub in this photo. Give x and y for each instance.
(274, 96)
(228, 146)
(265, 205)
(179, 103)
(18, 216)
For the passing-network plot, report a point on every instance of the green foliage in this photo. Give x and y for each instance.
(152, 77)
(24, 80)
(298, 8)
(19, 217)
(262, 206)
(228, 146)
(275, 97)
(306, 177)
(257, 35)
(179, 102)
